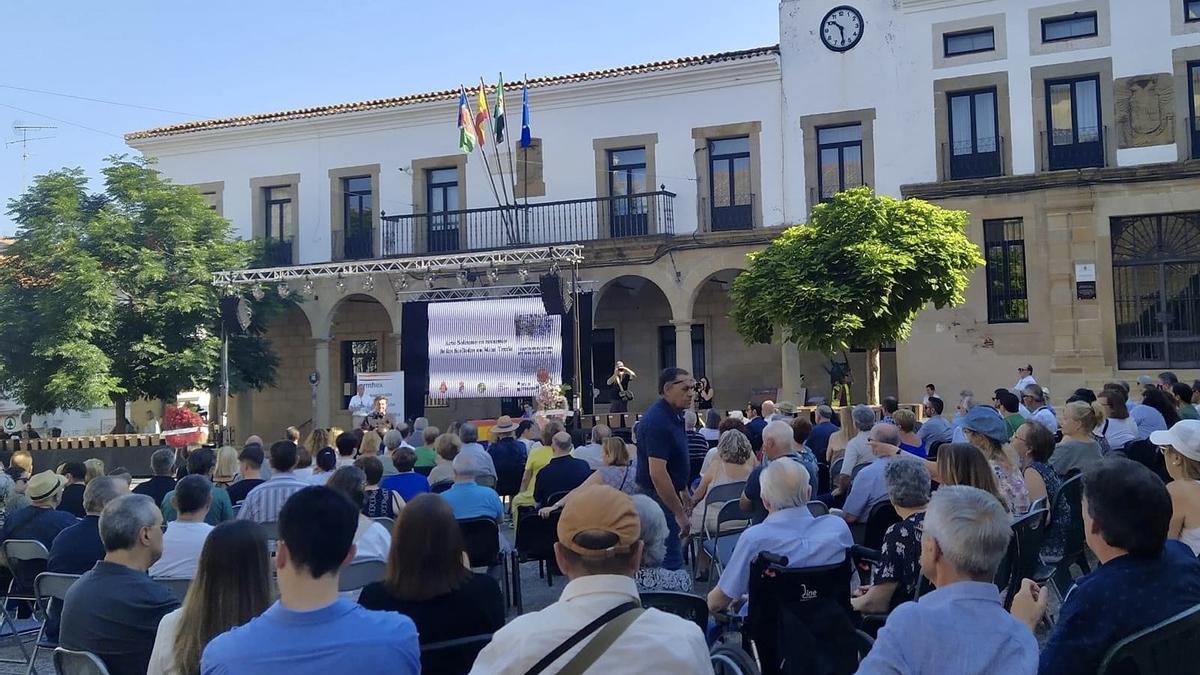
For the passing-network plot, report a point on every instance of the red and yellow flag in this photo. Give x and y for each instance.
(481, 115)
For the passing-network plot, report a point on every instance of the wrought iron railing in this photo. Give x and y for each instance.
(738, 214)
(575, 220)
(273, 253)
(1075, 148)
(356, 244)
(983, 159)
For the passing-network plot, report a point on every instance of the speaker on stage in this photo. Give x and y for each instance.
(235, 314)
(552, 298)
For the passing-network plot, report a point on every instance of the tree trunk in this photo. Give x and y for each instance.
(873, 376)
(119, 405)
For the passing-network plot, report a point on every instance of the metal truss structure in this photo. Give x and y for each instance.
(519, 260)
(481, 292)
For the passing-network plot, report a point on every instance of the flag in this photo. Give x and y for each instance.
(498, 118)
(526, 137)
(466, 129)
(481, 115)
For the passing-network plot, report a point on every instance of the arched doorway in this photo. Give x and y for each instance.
(289, 403)
(632, 315)
(362, 339)
(736, 370)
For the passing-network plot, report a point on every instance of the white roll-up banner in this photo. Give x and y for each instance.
(492, 348)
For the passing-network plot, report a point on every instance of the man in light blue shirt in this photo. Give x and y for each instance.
(311, 629)
(1147, 419)
(935, 427)
(869, 487)
(961, 627)
(789, 530)
(1034, 398)
(468, 498)
(264, 502)
(471, 446)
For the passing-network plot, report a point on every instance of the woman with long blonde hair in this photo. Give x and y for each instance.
(232, 586)
(839, 438)
(227, 466)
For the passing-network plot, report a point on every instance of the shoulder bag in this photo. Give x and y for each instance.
(610, 625)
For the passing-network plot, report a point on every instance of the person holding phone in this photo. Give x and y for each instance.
(621, 396)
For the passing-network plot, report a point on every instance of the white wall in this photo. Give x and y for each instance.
(567, 117)
(892, 70)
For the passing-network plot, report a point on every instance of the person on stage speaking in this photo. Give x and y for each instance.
(621, 396)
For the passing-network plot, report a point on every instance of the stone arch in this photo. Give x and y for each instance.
(325, 308)
(629, 308)
(722, 277)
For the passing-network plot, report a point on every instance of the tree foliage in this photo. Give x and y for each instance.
(856, 274)
(108, 296)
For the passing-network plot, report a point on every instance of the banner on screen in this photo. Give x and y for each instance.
(492, 348)
(388, 385)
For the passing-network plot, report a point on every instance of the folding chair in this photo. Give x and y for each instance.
(177, 585)
(685, 605)
(452, 657)
(47, 587)
(535, 538)
(360, 573)
(423, 470)
(389, 523)
(856, 469)
(70, 662)
(1075, 546)
(716, 497)
(880, 517)
(1029, 531)
(26, 559)
(1162, 649)
(818, 508)
(719, 545)
(481, 536)
(441, 486)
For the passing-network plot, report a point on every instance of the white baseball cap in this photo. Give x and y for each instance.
(1184, 437)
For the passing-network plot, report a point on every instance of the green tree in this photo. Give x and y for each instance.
(855, 275)
(108, 297)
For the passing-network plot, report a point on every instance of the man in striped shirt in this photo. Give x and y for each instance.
(264, 502)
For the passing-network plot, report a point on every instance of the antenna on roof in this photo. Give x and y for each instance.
(24, 130)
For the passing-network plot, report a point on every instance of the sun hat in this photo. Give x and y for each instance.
(504, 424)
(1183, 437)
(44, 485)
(986, 420)
(599, 508)
(786, 407)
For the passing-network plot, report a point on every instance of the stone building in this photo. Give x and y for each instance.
(1069, 142)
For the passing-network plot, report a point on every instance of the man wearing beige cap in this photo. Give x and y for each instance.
(598, 620)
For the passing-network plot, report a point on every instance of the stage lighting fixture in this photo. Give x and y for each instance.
(258, 292)
(283, 289)
(462, 278)
(493, 275)
(341, 284)
(368, 283)
(307, 289)
(429, 280)
(523, 274)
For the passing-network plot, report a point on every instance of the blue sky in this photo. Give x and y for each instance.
(227, 57)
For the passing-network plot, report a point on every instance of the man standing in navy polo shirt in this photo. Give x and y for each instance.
(662, 456)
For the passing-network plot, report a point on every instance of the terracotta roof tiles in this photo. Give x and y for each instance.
(446, 94)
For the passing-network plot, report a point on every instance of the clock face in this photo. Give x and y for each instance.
(841, 28)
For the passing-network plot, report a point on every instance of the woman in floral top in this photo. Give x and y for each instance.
(652, 576)
(899, 571)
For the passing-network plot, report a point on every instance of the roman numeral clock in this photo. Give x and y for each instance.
(842, 28)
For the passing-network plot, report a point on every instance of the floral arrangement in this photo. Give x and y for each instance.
(182, 417)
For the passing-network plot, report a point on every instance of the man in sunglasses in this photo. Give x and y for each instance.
(663, 465)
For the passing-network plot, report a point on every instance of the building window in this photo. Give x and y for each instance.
(1076, 137)
(358, 356)
(442, 198)
(974, 146)
(1156, 290)
(628, 215)
(1078, 25)
(840, 166)
(277, 224)
(667, 353)
(969, 42)
(1194, 106)
(730, 193)
(357, 218)
(1191, 10)
(1004, 251)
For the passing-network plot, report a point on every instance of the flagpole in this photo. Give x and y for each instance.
(508, 143)
(480, 131)
(525, 168)
(503, 186)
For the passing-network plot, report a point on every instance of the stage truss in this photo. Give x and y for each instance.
(523, 261)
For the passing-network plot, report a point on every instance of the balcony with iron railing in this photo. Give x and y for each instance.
(981, 158)
(272, 252)
(1078, 148)
(559, 222)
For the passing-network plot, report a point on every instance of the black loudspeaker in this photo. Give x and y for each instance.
(552, 299)
(235, 314)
